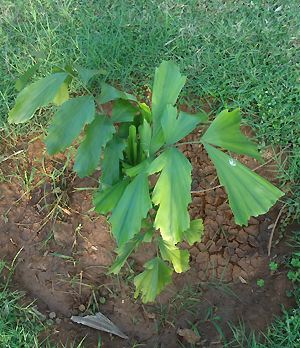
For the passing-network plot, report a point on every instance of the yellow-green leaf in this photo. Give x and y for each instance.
(179, 258)
(225, 132)
(62, 94)
(153, 280)
(249, 194)
(34, 96)
(172, 194)
(195, 232)
(176, 128)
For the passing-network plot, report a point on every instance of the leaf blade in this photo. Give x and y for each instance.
(68, 122)
(248, 193)
(195, 232)
(153, 280)
(98, 133)
(110, 167)
(172, 194)
(109, 93)
(133, 206)
(105, 200)
(225, 132)
(179, 258)
(34, 96)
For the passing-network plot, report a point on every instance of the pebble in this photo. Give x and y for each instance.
(202, 257)
(253, 230)
(52, 315)
(81, 308)
(58, 321)
(242, 236)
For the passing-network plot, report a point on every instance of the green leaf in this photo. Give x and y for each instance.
(123, 111)
(34, 96)
(24, 79)
(195, 232)
(132, 208)
(172, 194)
(132, 146)
(124, 252)
(145, 136)
(153, 280)
(248, 193)
(68, 122)
(110, 166)
(86, 74)
(177, 128)
(225, 132)
(179, 258)
(106, 199)
(98, 133)
(109, 93)
(168, 83)
(139, 168)
(146, 112)
(62, 95)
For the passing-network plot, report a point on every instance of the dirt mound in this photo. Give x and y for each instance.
(65, 249)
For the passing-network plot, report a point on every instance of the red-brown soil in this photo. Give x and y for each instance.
(63, 261)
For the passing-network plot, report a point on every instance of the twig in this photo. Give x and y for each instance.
(209, 189)
(10, 156)
(273, 229)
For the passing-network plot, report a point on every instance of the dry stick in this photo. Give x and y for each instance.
(273, 229)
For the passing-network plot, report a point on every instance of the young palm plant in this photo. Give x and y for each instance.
(135, 143)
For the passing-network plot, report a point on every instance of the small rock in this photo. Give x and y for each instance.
(81, 308)
(236, 272)
(252, 241)
(221, 243)
(189, 335)
(194, 251)
(202, 257)
(201, 247)
(58, 321)
(52, 315)
(202, 276)
(220, 219)
(253, 230)
(242, 236)
(253, 221)
(240, 253)
(213, 261)
(222, 261)
(234, 258)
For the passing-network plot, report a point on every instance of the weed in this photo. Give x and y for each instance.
(273, 266)
(260, 283)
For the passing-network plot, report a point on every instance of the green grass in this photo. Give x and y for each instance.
(242, 53)
(20, 325)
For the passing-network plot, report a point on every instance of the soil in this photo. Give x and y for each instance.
(64, 250)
